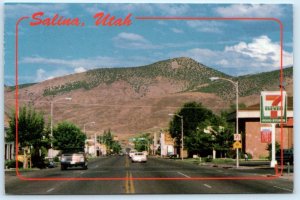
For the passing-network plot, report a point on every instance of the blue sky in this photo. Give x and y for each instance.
(233, 47)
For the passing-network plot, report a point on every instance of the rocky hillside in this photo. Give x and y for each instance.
(138, 99)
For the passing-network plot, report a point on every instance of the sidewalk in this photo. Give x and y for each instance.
(253, 165)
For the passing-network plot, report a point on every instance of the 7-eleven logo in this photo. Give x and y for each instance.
(273, 107)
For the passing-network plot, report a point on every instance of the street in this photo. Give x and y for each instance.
(117, 175)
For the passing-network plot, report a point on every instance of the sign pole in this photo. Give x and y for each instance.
(273, 110)
(273, 161)
(237, 158)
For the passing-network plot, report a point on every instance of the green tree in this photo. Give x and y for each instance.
(203, 130)
(269, 148)
(141, 142)
(66, 135)
(108, 139)
(193, 113)
(32, 133)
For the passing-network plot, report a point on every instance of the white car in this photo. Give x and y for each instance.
(131, 153)
(139, 157)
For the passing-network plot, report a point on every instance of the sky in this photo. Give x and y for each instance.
(233, 47)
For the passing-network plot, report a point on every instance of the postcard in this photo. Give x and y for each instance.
(148, 98)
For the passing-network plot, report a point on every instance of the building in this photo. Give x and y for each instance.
(253, 141)
(9, 148)
(95, 150)
(166, 144)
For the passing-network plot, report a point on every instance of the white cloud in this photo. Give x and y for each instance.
(131, 37)
(206, 26)
(173, 10)
(132, 41)
(253, 10)
(62, 67)
(93, 8)
(79, 69)
(261, 54)
(86, 63)
(176, 30)
(42, 74)
(150, 9)
(263, 50)
(18, 10)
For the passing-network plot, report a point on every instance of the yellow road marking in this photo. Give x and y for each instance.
(132, 190)
(129, 185)
(126, 184)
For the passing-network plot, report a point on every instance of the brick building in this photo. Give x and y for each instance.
(250, 127)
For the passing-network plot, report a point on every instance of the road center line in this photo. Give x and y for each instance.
(50, 190)
(132, 190)
(282, 188)
(206, 185)
(183, 174)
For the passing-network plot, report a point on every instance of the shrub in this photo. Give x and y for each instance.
(12, 164)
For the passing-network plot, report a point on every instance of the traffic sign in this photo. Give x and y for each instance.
(237, 137)
(237, 145)
(273, 107)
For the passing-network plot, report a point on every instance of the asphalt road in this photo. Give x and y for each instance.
(117, 175)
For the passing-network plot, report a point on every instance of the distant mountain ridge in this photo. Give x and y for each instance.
(177, 69)
(138, 99)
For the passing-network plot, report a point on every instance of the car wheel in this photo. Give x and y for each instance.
(63, 167)
(85, 167)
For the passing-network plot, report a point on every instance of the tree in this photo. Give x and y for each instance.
(108, 139)
(68, 136)
(193, 113)
(203, 130)
(141, 143)
(269, 148)
(32, 134)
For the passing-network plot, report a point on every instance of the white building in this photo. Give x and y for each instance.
(9, 149)
(166, 144)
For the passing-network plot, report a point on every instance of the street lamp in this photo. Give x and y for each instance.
(237, 108)
(181, 117)
(51, 125)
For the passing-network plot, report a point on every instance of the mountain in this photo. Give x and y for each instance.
(138, 99)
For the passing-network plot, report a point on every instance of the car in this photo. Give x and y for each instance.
(139, 157)
(288, 156)
(131, 153)
(73, 159)
(50, 162)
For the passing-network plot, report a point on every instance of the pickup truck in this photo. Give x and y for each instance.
(73, 159)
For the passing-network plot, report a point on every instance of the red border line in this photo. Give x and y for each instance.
(158, 178)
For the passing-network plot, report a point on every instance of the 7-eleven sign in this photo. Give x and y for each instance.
(273, 107)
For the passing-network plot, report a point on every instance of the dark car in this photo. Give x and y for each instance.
(288, 156)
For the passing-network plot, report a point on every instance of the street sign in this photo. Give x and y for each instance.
(273, 107)
(266, 134)
(237, 145)
(237, 137)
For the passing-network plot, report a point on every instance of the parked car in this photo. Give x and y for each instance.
(131, 153)
(288, 156)
(50, 163)
(139, 157)
(73, 159)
